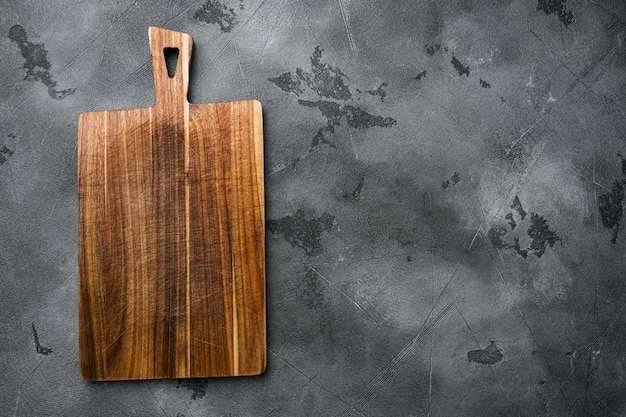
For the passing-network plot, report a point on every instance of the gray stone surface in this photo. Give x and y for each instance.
(444, 201)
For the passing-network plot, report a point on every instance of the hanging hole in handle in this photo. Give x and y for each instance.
(171, 60)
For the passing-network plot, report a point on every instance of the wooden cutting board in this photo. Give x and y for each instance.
(171, 259)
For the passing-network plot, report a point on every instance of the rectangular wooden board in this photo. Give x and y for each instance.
(171, 234)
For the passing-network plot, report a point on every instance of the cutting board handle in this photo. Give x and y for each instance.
(170, 91)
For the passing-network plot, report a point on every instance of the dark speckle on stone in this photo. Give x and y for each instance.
(538, 232)
(557, 7)
(37, 65)
(197, 385)
(541, 235)
(5, 153)
(509, 218)
(459, 67)
(40, 349)
(484, 84)
(454, 180)
(611, 209)
(328, 82)
(487, 356)
(380, 91)
(517, 248)
(431, 49)
(355, 117)
(623, 162)
(324, 79)
(214, 12)
(496, 235)
(419, 76)
(356, 194)
(409, 259)
(329, 109)
(288, 83)
(303, 231)
(360, 119)
(517, 206)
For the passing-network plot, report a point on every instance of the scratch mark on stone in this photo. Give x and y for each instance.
(430, 374)
(408, 352)
(488, 356)
(455, 112)
(158, 402)
(310, 380)
(309, 289)
(245, 80)
(467, 325)
(530, 331)
(270, 33)
(19, 390)
(589, 351)
(296, 392)
(346, 22)
(333, 286)
(458, 265)
(282, 167)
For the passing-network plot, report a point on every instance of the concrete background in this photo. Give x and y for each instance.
(445, 193)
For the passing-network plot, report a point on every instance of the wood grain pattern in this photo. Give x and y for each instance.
(171, 234)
